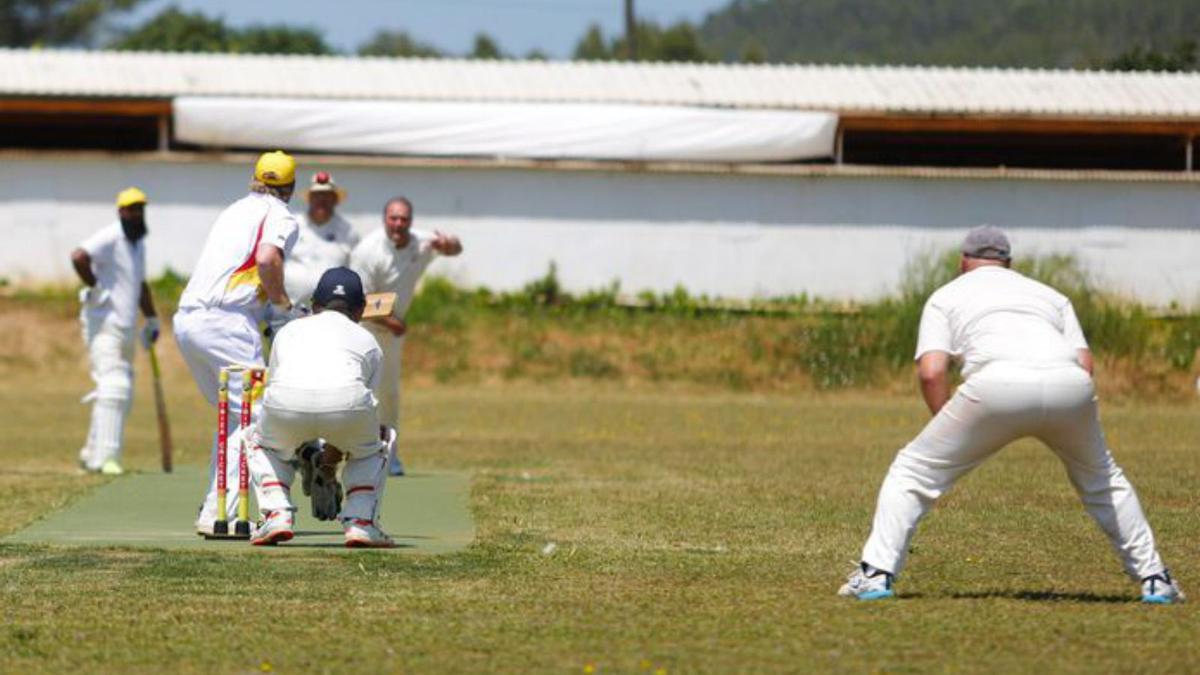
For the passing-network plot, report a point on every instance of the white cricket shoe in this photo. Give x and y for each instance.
(868, 583)
(1161, 589)
(364, 534)
(276, 528)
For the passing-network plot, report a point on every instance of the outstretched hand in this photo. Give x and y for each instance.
(446, 244)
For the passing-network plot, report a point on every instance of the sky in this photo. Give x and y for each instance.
(519, 26)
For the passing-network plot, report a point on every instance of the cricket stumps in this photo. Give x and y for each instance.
(252, 382)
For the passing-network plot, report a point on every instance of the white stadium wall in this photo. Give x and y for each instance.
(736, 236)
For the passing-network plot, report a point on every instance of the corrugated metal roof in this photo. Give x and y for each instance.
(845, 89)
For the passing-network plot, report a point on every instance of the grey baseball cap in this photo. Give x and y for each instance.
(987, 241)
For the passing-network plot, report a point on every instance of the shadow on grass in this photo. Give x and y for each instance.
(1043, 596)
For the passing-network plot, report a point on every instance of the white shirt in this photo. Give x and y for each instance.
(995, 314)
(324, 352)
(120, 269)
(387, 269)
(226, 275)
(318, 248)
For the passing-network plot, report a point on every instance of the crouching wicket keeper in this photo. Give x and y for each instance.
(322, 371)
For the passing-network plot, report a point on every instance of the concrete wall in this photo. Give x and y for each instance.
(724, 235)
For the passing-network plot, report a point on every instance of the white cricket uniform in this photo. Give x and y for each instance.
(108, 330)
(220, 310)
(384, 268)
(323, 369)
(319, 247)
(1018, 341)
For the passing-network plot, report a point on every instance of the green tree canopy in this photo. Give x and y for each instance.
(396, 43)
(1182, 57)
(485, 47)
(174, 30)
(29, 23)
(678, 42)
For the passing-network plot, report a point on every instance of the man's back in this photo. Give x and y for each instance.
(226, 274)
(995, 314)
(326, 351)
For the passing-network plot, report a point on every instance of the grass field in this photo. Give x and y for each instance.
(693, 530)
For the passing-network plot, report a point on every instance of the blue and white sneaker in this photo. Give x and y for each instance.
(1161, 589)
(868, 583)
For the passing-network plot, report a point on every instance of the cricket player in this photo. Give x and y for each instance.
(392, 260)
(112, 265)
(322, 373)
(325, 241)
(239, 272)
(1027, 372)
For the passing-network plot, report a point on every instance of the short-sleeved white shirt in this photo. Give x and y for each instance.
(387, 269)
(226, 275)
(324, 352)
(995, 314)
(120, 269)
(318, 248)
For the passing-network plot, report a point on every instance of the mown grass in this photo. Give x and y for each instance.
(694, 530)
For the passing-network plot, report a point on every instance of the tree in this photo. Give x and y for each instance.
(280, 39)
(592, 46)
(1182, 57)
(679, 42)
(396, 43)
(485, 48)
(29, 23)
(174, 30)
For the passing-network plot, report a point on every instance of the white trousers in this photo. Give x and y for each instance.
(387, 391)
(110, 356)
(996, 406)
(346, 418)
(211, 339)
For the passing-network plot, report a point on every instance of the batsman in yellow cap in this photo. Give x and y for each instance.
(112, 266)
(236, 284)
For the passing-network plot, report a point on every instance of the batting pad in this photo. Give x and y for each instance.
(426, 513)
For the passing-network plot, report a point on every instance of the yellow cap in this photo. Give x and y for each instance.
(275, 168)
(130, 196)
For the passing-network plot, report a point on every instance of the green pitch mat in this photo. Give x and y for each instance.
(424, 513)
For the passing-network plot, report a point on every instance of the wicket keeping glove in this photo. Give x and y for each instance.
(150, 331)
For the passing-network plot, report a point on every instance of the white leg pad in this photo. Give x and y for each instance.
(364, 479)
(272, 475)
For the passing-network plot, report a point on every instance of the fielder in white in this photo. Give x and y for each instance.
(239, 271)
(323, 369)
(112, 265)
(325, 241)
(392, 260)
(1027, 372)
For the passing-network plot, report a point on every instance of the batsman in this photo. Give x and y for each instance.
(323, 369)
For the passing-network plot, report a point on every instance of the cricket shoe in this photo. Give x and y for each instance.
(112, 468)
(1161, 589)
(364, 534)
(276, 528)
(868, 583)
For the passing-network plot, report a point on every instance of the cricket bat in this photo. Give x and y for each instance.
(379, 304)
(160, 407)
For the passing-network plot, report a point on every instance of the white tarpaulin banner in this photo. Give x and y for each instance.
(544, 131)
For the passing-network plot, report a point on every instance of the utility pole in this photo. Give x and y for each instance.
(631, 51)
